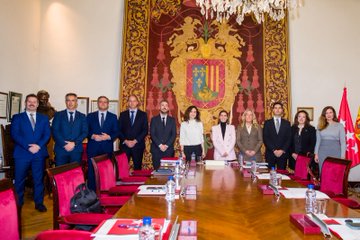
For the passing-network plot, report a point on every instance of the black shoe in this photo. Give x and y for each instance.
(40, 207)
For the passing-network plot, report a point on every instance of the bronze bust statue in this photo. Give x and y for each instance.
(44, 105)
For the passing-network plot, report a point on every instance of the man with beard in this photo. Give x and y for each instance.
(163, 134)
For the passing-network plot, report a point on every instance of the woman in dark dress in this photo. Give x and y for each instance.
(303, 137)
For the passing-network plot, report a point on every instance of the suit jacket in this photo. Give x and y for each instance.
(308, 140)
(23, 135)
(63, 130)
(275, 141)
(110, 127)
(138, 131)
(160, 135)
(226, 144)
(252, 141)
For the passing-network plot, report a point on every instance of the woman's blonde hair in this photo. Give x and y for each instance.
(243, 121)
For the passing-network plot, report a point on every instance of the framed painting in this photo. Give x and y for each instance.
(14, 104)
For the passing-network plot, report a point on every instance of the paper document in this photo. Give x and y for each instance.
(299, 193)
(266, 176)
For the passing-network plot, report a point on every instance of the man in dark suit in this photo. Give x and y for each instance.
(277, 138)
(163, 134)
(133, 128)
(69, 129)
(30, 132)
(103, 131)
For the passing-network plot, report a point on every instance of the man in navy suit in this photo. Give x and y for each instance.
(133, 128)
(277, 138)
(30, 132)
(69, 129)
(163, 134)
(103, 131)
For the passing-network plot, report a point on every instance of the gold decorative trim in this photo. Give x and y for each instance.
(134, 56)
(276, 66)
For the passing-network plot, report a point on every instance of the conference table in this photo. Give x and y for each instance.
(229, 206)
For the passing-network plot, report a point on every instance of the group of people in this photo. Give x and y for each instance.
(31, 132)
(283, 142)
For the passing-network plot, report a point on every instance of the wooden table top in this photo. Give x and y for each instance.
(229, 206)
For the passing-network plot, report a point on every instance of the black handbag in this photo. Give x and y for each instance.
(85, 200)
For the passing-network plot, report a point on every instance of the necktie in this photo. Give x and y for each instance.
(32, 120)
(163, 121)
(132, 116)
(71, 117)
(277, 125)
(102, 120)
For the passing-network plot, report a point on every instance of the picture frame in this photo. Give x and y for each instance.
(4, 97)
(309, 110)
(83, 105)
(14, 104)
(113, 106)
(94, 106)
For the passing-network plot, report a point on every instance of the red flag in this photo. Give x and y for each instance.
(345, 119)
(357, 131)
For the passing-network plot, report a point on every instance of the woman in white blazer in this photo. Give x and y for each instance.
(223, 137)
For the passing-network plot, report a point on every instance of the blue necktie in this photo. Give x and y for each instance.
(102, 120)
(71, 117)
(132, 117)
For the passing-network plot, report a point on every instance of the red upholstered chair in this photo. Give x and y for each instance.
(301, 168)
(334, 177)
(117, 155)
(123, 172)
(334, 180)
(106, 187)
(9, 215)
(64, 180)
(64, 235)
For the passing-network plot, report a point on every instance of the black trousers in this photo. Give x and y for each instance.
(188, 150)
(136, 154)
(157, 154)
(277, 162)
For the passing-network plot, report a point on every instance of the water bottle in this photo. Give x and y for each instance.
(177, 169)
(253, 167)
(310, 199)
(170, 189)
(273, 180)
(241, 159)
(146, 231)
(193, 157)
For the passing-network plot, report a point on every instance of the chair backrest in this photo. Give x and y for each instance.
(64, 181)
(122, 165)
(9, 215)
(104, 173)
(334, 176)
(7, 149)
(64, 235)
(301, 167)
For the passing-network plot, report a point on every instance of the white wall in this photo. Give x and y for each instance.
(324, 57)
(19, 47)
(80, 48)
